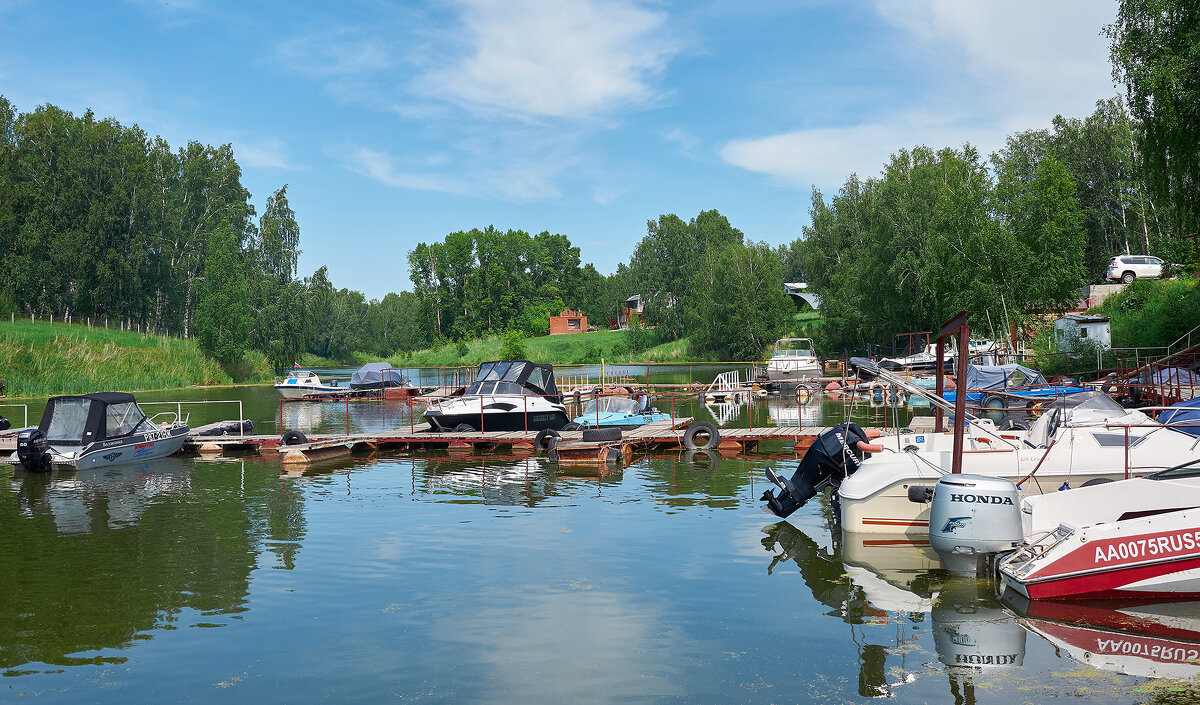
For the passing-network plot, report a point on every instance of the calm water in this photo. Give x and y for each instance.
(499, 579)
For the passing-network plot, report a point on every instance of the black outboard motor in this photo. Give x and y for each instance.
(833, 455)
(33, 450)
(5, 424)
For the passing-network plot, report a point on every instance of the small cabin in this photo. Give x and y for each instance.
(568, 322)
(631, 306)
(1079, 326)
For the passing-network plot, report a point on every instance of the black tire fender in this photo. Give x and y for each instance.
(464, 428)
(293, 438)
(540, 440)
(594, 435)
(1013, 423)
(697, 429)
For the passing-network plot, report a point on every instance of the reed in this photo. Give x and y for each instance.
(40, 359)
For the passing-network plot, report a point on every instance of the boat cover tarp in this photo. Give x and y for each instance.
(377, 374)
(1185, 414)
(981, 378)
(1174, 377)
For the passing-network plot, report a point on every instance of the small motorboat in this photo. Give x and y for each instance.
(1136, 538)
(380, 378)
(793, 360)
(619, 412)
(305, 384)
(97, 430)
(507, 395)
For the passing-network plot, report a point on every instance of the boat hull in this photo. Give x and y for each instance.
(1154, 557)
(138, 448)
(497, 413)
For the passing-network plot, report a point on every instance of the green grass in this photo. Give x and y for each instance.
(578, 348)
(42, 359)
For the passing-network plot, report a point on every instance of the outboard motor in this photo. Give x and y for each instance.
(971, 517)
(5, 424)
(832, 457)
(33, 450)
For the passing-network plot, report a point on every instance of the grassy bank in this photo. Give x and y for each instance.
(579, 348)
(42, 359)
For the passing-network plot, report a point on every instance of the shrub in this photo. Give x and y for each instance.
(512, 346)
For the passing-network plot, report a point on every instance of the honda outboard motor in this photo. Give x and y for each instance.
(33, 450)
(971, 517)
(833, 456)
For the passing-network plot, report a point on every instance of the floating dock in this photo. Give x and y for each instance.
(660, 436)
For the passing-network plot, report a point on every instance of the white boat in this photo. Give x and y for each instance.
(97, 430)
(793, 360)
(507, 395)
(1136, 538)
(305, 384)
(1095, 439)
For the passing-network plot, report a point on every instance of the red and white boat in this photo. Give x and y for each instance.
(1131, 539)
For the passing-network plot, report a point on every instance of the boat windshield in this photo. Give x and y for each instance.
(794, 347)
(611, 405)
(68, 420)
(1188, 469)
(1096, 407)
(497, 371)
(122, 419)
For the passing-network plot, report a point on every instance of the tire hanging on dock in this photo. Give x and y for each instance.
(293, 438)
(701, 429)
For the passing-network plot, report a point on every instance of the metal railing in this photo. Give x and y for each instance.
(23, 406)
(180, 418)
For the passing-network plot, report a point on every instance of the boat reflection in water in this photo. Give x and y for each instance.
(889, 580)
(106, 500)
(1154, 640)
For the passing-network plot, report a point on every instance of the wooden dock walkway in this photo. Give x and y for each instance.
(663, 435)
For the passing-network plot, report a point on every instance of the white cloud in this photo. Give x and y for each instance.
(993, 68)
(266, 154)
(337, 51)
(554, 58)
(515, 179)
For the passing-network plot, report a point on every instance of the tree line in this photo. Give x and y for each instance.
(98, 219)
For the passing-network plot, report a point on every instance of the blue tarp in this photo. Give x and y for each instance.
(1185, 412)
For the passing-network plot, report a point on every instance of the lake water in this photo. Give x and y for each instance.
(499, 579)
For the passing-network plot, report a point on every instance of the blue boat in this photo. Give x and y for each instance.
(619, 412)
(998, 386)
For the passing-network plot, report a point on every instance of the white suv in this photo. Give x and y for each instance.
(1126, 268)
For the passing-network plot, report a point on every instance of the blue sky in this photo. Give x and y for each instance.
(395, 123)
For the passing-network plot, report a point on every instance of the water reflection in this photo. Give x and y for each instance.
(104, 499)
(96, 560)
(895, 581)
(1156, 640)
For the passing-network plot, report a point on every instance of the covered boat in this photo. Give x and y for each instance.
(95, 430)
(507, 395)
(382, 376)
(986, 383)
(619, 412)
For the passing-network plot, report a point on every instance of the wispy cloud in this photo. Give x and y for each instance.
(554, 58)
(992, 68)
(684, 140)
(263, 154)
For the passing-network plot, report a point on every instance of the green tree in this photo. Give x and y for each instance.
(1155, 53)
(278, 246)
(737, 306)
(222, 314)
(636, 337)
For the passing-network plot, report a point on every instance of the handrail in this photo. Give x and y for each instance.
(26, 407)
(179, 409)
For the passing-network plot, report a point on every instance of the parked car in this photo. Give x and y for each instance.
(1126, 268)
